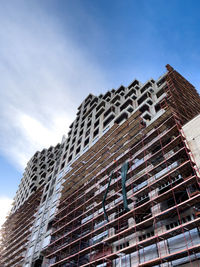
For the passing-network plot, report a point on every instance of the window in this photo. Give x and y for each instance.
(81, 132)
(131, 92)
(143, 98)
(82, 124)
(96, 132)
(96, 124)
(47, 188)
(44, 198)
(70, 158)
(64, 156)
(74, 140)
(100, 112)
(51, 192)
(71, 149)
(75, 132)
(146, 235)
(89, 124)
(78, 150)
(87, 133)
(159, 83)
(111, 109)
(162, 91)
(177, 223)
(62, 166)
(79, 141)
(101, 104)
(108, 120)
(123, 245)
(107, 95)
(86, 142)
(145, 87)
(157, 107)
(121, 118)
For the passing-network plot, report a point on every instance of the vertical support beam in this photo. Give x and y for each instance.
(124, 171)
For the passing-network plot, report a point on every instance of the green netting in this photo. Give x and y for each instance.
(124, 171)
(104, 198)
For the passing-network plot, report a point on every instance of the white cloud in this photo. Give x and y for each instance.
(5, 207)
(44, 77)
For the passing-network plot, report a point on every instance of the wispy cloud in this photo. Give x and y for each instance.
(44, 76)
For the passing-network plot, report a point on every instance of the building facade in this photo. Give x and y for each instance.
(22, 223)
(122, 188)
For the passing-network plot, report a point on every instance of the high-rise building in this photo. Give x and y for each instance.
(121, 190)
(17, 230)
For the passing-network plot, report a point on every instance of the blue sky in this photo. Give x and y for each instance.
(54, 53)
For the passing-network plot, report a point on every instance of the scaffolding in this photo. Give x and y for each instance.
(16, 231)
(161, 224)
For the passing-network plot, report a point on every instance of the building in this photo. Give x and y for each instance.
(37, 173)
(123, 188)
(19, 227)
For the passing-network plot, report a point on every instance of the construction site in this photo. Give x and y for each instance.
(132, 198)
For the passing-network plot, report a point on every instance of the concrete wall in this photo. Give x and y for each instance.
(191, 131)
